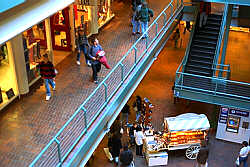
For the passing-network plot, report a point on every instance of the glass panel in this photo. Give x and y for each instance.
(60, 38)
(7, 76)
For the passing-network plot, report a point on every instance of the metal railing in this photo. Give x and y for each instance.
(73, 130)
(222, 69)
(221, 37)
(214, 85)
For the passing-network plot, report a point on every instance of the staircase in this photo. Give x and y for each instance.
(202, 50)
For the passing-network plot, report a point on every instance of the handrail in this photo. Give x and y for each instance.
(88, 120)
(221, 35)
(184, 60)
(215, 80)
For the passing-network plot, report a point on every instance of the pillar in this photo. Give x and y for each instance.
(17, 62)
(49, 40)
(93, 17)
(72, 25)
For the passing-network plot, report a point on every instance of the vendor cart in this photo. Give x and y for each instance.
(186, 131)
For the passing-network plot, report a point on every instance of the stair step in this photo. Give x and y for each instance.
(213, 33)
(205, 51)
(217, 20)
(201, 56)
(215, 16)
(211, 27)
(204, 46)
(206, 37)
(199, 66)
(212, 45)
(197, 72)
(212, 42)
(213, 23)
(207, 63)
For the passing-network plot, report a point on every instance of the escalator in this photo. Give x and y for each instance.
(203, 47)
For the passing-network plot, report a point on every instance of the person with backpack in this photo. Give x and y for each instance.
(95, 63)
(82, 46)
(135, 19)
(144, 16)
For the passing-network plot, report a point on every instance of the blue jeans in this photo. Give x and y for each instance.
(82, 48)
(136, 26)
(137, 115)
(47, 83)
(243, 160)
(144, 27)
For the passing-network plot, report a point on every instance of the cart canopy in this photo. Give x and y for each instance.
(187, 122)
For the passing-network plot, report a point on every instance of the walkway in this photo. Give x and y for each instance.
(157, 87)
(30, 123)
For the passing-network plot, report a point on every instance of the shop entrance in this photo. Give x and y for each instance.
(60, 30)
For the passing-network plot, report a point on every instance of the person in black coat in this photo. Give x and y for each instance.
(126, 157)
(115, 145)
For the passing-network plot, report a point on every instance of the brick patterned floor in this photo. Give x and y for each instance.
(30, 123)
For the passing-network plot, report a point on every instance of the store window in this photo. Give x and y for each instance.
(33, 49)
(104, 11)
(8, 88)
(82, 14)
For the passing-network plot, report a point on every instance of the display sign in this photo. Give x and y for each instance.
(233, 124)
(6, 5)
(239, 113)
(223, 115)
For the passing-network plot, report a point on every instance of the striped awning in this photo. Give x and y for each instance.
(187, 122)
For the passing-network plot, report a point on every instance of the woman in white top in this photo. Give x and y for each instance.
(139, 137)
(243, 154)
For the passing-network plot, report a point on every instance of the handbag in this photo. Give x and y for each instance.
(237, 162)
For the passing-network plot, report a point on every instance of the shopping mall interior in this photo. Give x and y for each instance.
(29, 124)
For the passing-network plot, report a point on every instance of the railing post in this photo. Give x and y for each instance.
(172, 10)
(181, 81)
(85, 117)
(147, 43)
(106, 91)
(122, 73)
(216, 86)
(59, 151)
(156, 29)
(164, 18)
(135, 54)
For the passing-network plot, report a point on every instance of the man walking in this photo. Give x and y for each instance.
(144, 16)
(47, 72)
(95, 63)
(82, 44)
(135, 19)
(125, 112)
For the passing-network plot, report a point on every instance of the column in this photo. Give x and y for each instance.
(17, 62)
(109, 10)
(93, 17)
(49, 40)
(72, 27)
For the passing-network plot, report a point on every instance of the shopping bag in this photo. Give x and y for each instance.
(237, 162)
(108, 154)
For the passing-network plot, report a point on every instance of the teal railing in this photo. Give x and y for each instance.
(57, 150)
(217, 84)
(221, 36)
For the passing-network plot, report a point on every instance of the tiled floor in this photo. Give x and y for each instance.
(27, 125)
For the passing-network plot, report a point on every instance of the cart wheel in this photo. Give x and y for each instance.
(192, 152)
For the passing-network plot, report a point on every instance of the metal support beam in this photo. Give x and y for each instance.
(228, 22)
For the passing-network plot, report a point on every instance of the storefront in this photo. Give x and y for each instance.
(233, 125)
(92, 14)
(8, 81)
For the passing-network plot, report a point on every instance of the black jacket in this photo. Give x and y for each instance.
(126, 157)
